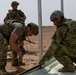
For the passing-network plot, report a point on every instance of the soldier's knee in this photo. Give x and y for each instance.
(58, 52)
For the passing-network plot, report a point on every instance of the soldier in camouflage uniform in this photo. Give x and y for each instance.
(15, 14)
(63, 46)
(3, 54)
(15, 35)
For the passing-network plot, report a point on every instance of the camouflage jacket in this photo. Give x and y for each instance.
(65, 35)
(15, 15)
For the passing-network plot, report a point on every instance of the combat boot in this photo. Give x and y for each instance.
(67, 69)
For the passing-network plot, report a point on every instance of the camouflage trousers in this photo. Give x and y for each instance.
(65, 55)
(3, 51)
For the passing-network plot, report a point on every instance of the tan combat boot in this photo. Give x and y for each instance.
(67, 69)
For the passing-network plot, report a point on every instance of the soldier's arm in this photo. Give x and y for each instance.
(22, 15)
(61, 33)
(48, 55)
(58, 37)
(8, 15)
(12, 41)
(6, 18)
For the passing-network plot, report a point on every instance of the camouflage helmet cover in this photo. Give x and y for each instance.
(56, 14)
(14, 3)
(34, 28)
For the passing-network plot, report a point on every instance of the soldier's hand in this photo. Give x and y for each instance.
(20, 54)
(41, 62)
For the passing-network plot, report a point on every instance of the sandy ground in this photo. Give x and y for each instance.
(31, 58)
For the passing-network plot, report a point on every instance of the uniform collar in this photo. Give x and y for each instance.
(61, 22)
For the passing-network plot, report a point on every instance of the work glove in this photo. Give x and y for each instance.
(22, 49)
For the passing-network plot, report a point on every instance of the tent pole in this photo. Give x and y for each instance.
(40, 29)
(62, 9)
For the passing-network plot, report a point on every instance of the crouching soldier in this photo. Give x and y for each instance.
(63, 46)
(14, 35)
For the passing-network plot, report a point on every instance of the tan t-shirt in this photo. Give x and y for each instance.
(19, 30)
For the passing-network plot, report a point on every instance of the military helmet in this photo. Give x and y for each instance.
(34, 28)
(56, 14)
(14, 3)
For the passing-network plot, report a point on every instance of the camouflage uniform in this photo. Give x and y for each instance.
(19, 29)
(6, 30)
(3, 51)
(63, 46)
(16, 15)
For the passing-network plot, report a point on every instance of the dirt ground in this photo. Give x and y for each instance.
(31, 58)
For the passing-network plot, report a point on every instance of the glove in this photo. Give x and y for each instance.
(22, 49)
